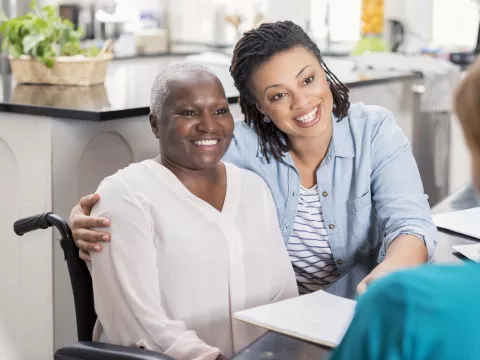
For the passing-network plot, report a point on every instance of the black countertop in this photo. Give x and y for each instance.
(126, 91)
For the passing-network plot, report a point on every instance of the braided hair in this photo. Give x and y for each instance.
(255, 48)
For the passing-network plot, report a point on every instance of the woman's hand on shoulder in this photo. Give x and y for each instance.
(80, 222)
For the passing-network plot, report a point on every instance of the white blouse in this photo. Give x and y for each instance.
(177, 269)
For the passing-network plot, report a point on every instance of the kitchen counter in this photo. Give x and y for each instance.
(126, 91)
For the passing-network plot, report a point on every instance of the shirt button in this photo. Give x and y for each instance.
(324, 194)
(293, 194)
(286, 228)
(331, 226)
(340, 262)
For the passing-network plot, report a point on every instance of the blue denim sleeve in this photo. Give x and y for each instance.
(234, 153)
(397, 191)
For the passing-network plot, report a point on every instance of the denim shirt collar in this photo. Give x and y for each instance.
(342, 140)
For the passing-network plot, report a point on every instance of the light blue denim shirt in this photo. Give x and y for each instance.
(370, 185)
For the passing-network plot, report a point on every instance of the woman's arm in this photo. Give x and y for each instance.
(401, 206)
(126, 283)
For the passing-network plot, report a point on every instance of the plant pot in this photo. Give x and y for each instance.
(67, 70)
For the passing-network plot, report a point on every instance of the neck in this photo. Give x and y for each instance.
(193, 178)
(310, 152)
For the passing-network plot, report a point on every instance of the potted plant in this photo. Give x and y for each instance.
(43, 48)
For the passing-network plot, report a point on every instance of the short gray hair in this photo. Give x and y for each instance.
(160, 90)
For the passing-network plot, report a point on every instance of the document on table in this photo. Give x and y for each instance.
(466, 222)
(318, 317)
(471, 251)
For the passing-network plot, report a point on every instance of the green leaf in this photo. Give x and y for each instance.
(68, 24)
(49, 11)
(39, 33)
(39, 25)
(29, 42)
(93, 51)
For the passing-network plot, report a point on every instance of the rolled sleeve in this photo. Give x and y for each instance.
(398, 196)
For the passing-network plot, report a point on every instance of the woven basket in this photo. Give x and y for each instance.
(67, 70)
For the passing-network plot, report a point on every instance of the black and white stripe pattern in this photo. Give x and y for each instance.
(308, 247)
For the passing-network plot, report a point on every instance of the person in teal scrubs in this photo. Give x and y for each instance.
(433, 311)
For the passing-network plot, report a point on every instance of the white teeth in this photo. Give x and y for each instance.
(206, 142)
(309, 117)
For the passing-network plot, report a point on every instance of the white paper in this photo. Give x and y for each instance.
(471, 251)
(465, 222)
(318, 317)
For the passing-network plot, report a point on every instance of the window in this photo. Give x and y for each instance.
(455, 23)
(345, 23)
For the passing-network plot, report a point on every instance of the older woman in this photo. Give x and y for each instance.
(193, 242)
(342, 176)
(431, 312)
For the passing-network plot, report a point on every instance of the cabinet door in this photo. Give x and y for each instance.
(84, 153)
(26, 301)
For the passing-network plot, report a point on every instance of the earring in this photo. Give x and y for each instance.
(266, 119)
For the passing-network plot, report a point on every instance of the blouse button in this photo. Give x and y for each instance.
(340, 262)
(325, 194)
(331, 226)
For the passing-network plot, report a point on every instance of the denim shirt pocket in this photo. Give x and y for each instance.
(360, 204)
(359, 225)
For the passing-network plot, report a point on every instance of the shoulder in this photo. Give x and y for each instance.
(129, 184)
(244, 144)
(129, 178)
(244, 137)
(244, 131)
(369, 118)
(374, 127)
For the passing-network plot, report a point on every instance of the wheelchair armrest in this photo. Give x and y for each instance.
(86, 350)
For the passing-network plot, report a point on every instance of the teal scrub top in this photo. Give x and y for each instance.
(431, 312)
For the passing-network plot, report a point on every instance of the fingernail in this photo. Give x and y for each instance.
(106, 223)
(97, 247)
(105, 237)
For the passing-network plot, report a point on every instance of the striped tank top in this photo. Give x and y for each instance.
(308, 247)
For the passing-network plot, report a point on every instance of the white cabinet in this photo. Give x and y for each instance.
(84, 153)
(47, 165)
(26, 310)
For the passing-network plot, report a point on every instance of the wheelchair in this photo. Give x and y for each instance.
(81, 281)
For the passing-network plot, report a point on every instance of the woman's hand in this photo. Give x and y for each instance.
(80, 221)
(380, 270)
(405, 251)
